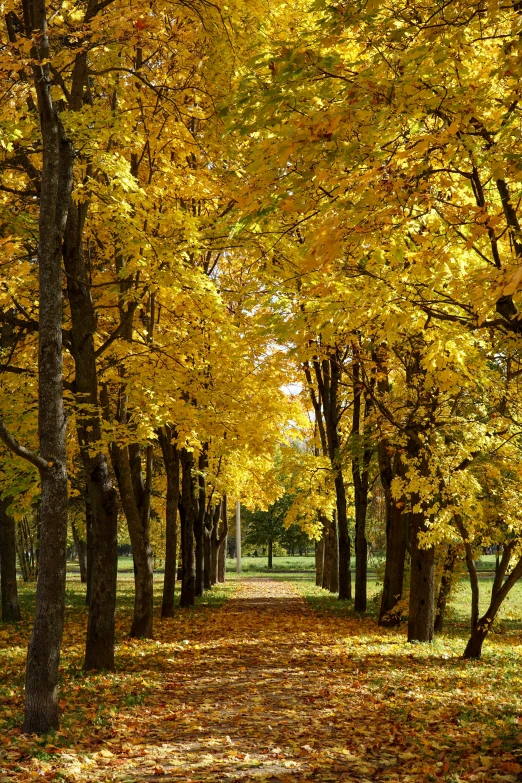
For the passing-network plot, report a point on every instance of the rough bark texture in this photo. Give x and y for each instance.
(10, 606)
(99, 649)
(421, 613)
(397, 528)
(171, 463)
(88, 546)
(199, 523)
(445, 586)
(211, 548)
(135, 489)
(187, 514)
(41, 684)
(360, 473)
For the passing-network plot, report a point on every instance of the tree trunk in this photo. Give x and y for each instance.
(171, 463)
(135, 499)
(187, 515)
(422, 585)
(10, 606)
(199, 523)
(81, 549)
(499, 592)
(103, 566)
(223, 535)
(88, 546)
(211, 525)
(397, 528)
(41, 683)
(319, 559)
(270, 554)
(445, 586)
(360, 472)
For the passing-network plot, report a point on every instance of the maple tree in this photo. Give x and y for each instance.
(204, 205)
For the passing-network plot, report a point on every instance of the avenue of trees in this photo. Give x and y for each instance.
(205, 206)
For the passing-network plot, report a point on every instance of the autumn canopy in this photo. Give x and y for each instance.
(262, 257)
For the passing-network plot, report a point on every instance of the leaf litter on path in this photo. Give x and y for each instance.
(266, 689)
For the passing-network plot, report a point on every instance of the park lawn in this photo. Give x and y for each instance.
(357, 698)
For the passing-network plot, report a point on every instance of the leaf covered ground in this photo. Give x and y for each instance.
(265, 688)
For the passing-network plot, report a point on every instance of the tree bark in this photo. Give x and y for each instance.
(135, 498)
(270, 554)
(9, 588)
(187, 515)
(171, 463)
(211, 525)
(88, 546)
(445, 586)
(103, 565)
(223, 535)
(361, 473)
(41, 683)
(199, 523)
(397, 530)
(421, 614)
(499, 593)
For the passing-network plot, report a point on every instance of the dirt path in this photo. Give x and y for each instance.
(264, 689)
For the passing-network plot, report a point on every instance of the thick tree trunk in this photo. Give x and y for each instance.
(99, 649)
(41, 684)
(421, 615)
(445, 586)
(10, 606)
(171, 463)
(187, 515)
(81, 550)
(397, 530)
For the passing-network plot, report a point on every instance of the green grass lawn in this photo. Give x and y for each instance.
(301, 570)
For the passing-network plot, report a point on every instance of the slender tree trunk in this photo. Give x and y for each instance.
(319, 559)
(22, 558)
(499, 593)
(445, 586)
(472, 571)
(223, 535)
(81, 550)
(187, 515)
(211, 524)
(9, 588)
(270, 554)
(171, 463)
(333, 585)
(360, 472)
(199, 523)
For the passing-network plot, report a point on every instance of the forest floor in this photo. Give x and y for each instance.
(266, 688)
